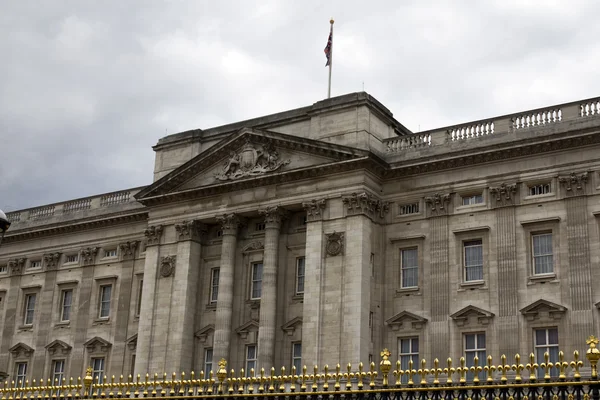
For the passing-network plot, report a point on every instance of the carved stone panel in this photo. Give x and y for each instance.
(251, 160)
(438, 204)
(504, 195)
(365, 203)
(51, 261)
(574, 184)
(89, 255)
(167, 266)
(334, 245)
(153, 234)
(314, 209)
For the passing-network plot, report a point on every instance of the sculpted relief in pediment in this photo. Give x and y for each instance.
(251, 160)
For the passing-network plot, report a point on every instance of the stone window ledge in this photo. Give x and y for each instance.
(211, 306)
(471, 285)
(102, 321)
(542, 278)
(414, 291)
(62, 324)
(298, 298)
(25, 328)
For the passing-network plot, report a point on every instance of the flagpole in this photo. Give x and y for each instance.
(330, 59)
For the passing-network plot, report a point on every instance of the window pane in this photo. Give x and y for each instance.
(481, 341)
(553, 336)
(405, 346)
(415, 345)
(540, 337)
(469, 342)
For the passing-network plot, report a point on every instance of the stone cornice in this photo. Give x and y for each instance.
(76, 226)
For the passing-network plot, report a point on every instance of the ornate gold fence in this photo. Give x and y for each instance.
(535, 380)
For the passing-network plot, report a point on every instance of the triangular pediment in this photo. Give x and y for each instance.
(203, 333)
(473, 314)
(290, 326)
(20, 350)
(97, 344)
(132, 342)
(406, 320)
(543, 309)
(249, 155)
(249, 326)
(58, 347)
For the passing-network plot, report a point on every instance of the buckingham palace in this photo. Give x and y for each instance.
(317, 235)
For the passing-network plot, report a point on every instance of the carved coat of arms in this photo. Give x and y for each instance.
(250, 161)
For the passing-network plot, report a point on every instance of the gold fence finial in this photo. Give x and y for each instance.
(576, 364)
(221, 374)
(88, 381)
(593, 355)
(385, 365)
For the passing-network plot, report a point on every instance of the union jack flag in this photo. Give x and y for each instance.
(328, 47)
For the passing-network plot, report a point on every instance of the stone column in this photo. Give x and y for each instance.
(579, 272)
(268, 299)
(504, 198)
(313, 282)
(222, 336)
(143, 352)
(437, 211)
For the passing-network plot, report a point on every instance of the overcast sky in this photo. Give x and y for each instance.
(87, 87)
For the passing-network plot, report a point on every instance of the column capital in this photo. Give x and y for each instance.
(504, 195)
(574, 184)
(366, 204)
(153, 234)
(230, 223)
(314, 209)
(273, 216)
(128, 250)
(438, 204)
(89, 255)
(190, 230)
(15, 266)
(51, 260)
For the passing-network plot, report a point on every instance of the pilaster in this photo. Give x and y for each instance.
(268, 301)
(230, 224)
(504, 198)
(438, 208)
(313, 283)
(144, 351)
(575, 187)
(15, 268)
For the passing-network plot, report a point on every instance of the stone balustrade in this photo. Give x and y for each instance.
(73, 207)
(511, 123)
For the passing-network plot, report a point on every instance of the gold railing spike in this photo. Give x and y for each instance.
(293, 379)
(475, 369)
(518, 368)
(360, 376)
(593, 355)
(449, 371)
(398, 373)
(242, 381)
(272, 380)
(338, 376)
(503, 368)
(546, 365)
(262, 380)
(490, 368)
(411, 372)
(462, 370)
(436, 371)
(532, 367)
(326, 377)
(385, 365)
(576, 364)
(303, 379)
(348, 376)
(423, 372)
(372, 375)
(315, 378)
(231, 381)
(562, 366)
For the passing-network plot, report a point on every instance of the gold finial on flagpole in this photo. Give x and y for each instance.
(331, 21)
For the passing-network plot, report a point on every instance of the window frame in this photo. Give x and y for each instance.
(23, 374)
(465, 245)
(26, 309)
(207, 369)
(533, 235)
(108, 252)
(403, 268)
(547, 346)
(214, 288)
(100, 373)
(63, 293)
(138, 304)
(74, 261)
(296, 358)
(297, 290)
(248, 360)
(101, 301)
(476, 351)
(470, 199)
(543, 184)
(35, 264)
(405, 357)
(53, 365)
(254, 281)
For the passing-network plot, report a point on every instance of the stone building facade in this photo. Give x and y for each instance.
(315, 236)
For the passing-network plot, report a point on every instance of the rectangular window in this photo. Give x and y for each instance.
(256, 289)
(300, 262)
(543, 262)
(20, 374)
(546, 341)
(98, 369)
(58, 372)
(409, 268)
(132, 364)
(110, 253)
(472, 200)
(475, 347)
(250, 358)
(297, 357)
(65, 305)
(208, 356)
(138, 306)
(72, 258)
(371, 325)
(104, 303)
(407, 209)
(35, 264)
(473, 258)
(542, 188)
(259, 226)
(3, 269)
(29, 308)
(408, 350)
(214, 284)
